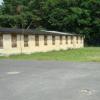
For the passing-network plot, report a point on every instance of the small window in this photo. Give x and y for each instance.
(53, 40)
(77, 39)
(26, 40)
(45, 40)
(71, 39)
(1, 40)
(14, 40)
(36, 40)
(66, 39)
(60, 40)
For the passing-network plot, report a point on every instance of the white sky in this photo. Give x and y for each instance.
(1, 1)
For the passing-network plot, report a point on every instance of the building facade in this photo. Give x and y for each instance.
(18, 41)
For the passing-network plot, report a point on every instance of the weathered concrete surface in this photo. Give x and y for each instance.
(48, 80)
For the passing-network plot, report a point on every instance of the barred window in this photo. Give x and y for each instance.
(36, 40)
(66, 39)
(14, 40)
(1, 40)
(26, 39)
(53, 40)
(45, 40)
(71, 39)
(60, 40)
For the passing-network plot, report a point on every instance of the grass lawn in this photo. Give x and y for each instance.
(84, 54)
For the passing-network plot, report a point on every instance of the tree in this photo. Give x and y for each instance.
(17, 13)
(79, 16)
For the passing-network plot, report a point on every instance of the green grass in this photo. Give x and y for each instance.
(88, 54)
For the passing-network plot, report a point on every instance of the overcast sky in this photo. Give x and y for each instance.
(1, 1)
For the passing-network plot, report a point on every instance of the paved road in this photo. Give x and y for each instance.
(48, 80)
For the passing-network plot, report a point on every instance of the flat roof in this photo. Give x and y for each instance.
(32, 31)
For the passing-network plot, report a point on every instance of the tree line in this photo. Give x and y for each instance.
(75, 16)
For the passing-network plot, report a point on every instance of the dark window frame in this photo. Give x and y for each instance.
(14, 40)
(26, 40)
(45, 40)
(81, 39)
(53, 40)
(66, 39)
(77, 39)
(72, 37)
(61, 38)
(1, 40)
(36, 40)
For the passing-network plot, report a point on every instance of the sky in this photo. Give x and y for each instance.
(1, 1)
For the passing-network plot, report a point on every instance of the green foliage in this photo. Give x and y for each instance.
(17, 13)
(80, 16)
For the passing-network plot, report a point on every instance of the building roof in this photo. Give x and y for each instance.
(15, 30)
(57, 32)
(32, 31)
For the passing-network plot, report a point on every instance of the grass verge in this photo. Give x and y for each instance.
(88, 54)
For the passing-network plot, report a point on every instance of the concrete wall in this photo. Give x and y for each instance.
(7, 45)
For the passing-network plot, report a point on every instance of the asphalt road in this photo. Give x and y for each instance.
(48, 80)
